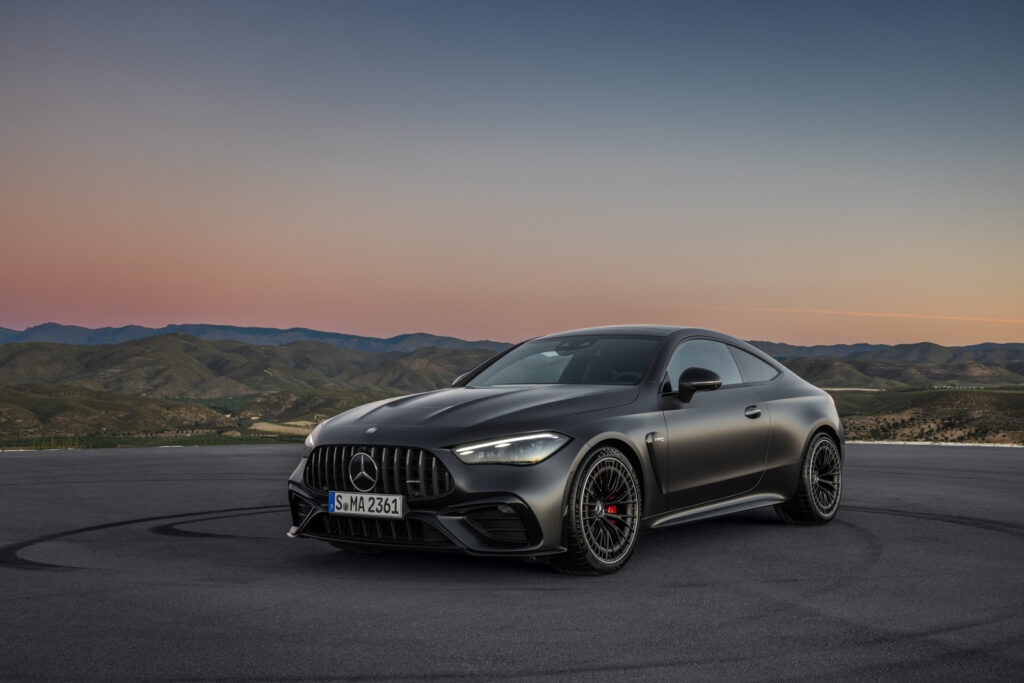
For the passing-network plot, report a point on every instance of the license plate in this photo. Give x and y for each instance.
(366, 504)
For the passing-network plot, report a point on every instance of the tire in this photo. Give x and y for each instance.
(598, 540)
(357, 549)
(820, 487)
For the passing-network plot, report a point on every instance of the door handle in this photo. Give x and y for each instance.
(753, 412)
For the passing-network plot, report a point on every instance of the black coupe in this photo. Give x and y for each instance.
(566, 447)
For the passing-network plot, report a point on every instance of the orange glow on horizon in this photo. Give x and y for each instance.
(864, 314)
(492, 189)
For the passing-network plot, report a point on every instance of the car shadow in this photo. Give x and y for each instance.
(399, 565)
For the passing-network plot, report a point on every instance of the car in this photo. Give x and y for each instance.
(564, 448)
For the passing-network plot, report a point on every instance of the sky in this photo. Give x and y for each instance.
(800, 172)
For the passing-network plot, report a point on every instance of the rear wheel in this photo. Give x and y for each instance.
(604, 515)
(820, 486)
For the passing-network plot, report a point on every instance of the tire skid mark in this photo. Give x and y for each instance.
(173, 530)
(987, 472)
(875, 635)
(874, 548)
(549, 673)
(949, 628)
(986, 656)
(936, 637)
(137, 480)
(976, 522)
(682, 667)
(9, 554)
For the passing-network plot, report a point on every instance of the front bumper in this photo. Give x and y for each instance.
(490, 510)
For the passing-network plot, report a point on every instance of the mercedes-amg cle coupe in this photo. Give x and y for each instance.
(566, 447)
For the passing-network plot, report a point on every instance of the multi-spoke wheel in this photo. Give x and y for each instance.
(603, 517)
(820, 486)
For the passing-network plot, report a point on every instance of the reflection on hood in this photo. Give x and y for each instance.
(463, 406)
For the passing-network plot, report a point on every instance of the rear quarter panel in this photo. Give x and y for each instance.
(798, 409)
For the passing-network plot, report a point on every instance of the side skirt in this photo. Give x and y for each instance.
(716, 509)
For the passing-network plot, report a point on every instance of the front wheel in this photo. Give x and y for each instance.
(603, 519)
(820, 486)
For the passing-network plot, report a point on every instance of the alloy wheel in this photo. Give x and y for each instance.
(825, 470)
(608, 509)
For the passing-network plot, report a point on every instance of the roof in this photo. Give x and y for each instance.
(648, 330)
(665, 331)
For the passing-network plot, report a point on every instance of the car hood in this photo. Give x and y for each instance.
(461, 407)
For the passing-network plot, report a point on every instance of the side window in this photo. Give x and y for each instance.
(752, 368)
(704, 353)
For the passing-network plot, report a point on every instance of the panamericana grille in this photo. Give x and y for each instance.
(411, 472)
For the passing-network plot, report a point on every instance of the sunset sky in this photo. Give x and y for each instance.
(804, 172)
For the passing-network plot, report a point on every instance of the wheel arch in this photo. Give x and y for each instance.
(824, 427)
(632, 456)
(800, 507)
(623, 443)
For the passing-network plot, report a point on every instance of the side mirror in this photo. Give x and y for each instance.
(455, 382)
(693, 380)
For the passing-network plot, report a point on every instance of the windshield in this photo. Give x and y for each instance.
(586, 359)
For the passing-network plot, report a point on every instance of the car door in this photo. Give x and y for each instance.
(718, 440)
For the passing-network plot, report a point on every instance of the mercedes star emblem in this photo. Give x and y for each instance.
(362, 472)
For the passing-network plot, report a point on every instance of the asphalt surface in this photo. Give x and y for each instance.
(173, 563)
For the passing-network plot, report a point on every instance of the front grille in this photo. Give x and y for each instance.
(396, 531)
(411, 472)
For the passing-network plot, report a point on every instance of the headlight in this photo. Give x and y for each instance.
(311, 439)
(527, 449)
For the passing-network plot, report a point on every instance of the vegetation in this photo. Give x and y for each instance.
(14, 443)
(177, 389)
(179, 366)
(948, 415)
(829, 372)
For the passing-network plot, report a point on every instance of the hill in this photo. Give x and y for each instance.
(967, 415)
(832, 373)
(987, 352)
(181, 388)
(309, 406)
(45, 411)
(924, 352)
(785, 352)
(262, 336)
(180, 366)
(927, 352)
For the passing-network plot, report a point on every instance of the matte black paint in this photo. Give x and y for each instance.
(724, 450)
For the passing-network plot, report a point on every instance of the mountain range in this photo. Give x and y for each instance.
(923, 352)
(264, 336)
(181, 366)
(176, 385)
